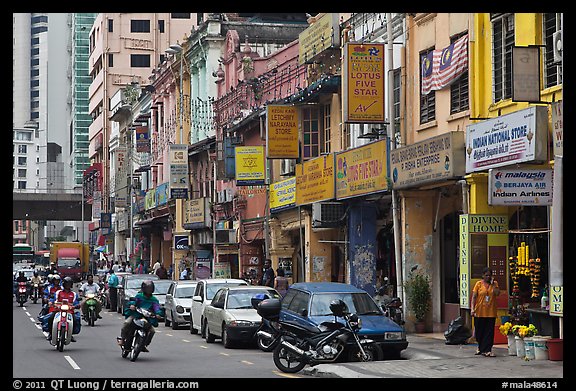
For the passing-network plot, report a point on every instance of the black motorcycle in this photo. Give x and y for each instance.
(136, 340)
(268, 333)
(36, 293)
(326, 343)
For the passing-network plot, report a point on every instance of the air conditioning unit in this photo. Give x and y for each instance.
(557, 41)
(226, 236)
(287, 166)
(328, 214)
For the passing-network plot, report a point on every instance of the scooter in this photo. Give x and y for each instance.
(35, 292)
(136, 340)
(62, 325)
(392, 306)
(22, 293)
(90, 303)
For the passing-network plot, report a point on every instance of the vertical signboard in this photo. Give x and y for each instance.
(282, 132)
(250, 167)
(121, 177)
(178, 171)
(142, 139)
(464, 278)
(557, 128)
(363, 83)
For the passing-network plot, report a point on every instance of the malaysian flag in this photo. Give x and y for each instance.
(441, 67)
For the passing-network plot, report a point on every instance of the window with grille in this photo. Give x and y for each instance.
(428, 101)
(552, 70)
(310, 130)
(459, 88)
(397, 95)
(502, 43)
(345, 136)
(326, 138)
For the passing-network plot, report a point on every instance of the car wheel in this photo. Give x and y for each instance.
(192, 329)
(210, 338)
(203, 328)
(166, 321)
(225, 339)
(174, 323)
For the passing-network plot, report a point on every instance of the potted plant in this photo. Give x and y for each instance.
(419, 297)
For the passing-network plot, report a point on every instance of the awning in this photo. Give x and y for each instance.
(328, 84)
(152, 220)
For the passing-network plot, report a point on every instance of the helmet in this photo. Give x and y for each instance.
(56, 277)
(257, 299)
(147, 287)
(67, 282)
(338, 307)
(35, 273)
(50, 277)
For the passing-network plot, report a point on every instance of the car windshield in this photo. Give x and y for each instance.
(358, 303)
(211, 289)
(66, 262)
(161, 288)
(243, 299)
(134, 283)
(185, 292)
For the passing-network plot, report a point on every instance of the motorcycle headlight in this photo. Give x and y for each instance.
(394, 336)
(64, 307)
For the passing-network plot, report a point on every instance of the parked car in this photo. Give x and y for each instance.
(161, 289)
(205, 291)
(230, 315)
(308, 304)
(130, 286)
(178, 303)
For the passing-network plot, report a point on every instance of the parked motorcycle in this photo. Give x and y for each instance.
(91, 303)
(392, 306)
(268, 333)
(136, 340)
(22, 293)
(62, 325)
(299, 346)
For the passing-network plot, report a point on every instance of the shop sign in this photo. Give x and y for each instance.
(222, 270)
(282, 194)
(181, 242)
(178, 178)
(250, 167)
(362, 170)
(162, 194)
(120, 177)
(196, 212)
(282, 132)
(432, 160)
(558, 128)
(518, 137)
(520, 187)
(315, 180)
(319, 36)
(97, 205)
(150, 199)
(122, 221)
(363, 83)
(556, 300)
(142, 139)
(105, 220)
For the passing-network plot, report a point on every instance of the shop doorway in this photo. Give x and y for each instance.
(449, 267)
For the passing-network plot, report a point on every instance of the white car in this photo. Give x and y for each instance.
(231, 317)
(179, 302)
(205, 291)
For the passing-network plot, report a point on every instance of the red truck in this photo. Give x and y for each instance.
(70, 259)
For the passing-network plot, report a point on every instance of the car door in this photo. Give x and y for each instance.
(197, 301)
(296, 311)
(214, 312)
(169, 303)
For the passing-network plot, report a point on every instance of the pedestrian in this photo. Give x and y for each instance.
(483, 309)
(155, 267)
(170, 270)
(184, 274)
(116, 267)
(281, 282)
(162, 273)
(113, 290)
(268, 274)
(128, 268)
(140, 268)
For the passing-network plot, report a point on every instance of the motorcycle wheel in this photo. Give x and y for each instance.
(60, 340)
(136, 347)
(125, 353)
(91, 318)
(265, 344)
(286, 361)
(373, 353)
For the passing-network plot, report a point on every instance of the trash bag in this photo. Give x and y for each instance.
(457, 333)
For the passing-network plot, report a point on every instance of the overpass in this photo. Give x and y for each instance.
(49, 206)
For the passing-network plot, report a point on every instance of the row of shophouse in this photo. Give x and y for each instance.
(343, 147)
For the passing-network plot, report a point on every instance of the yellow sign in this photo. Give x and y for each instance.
(319, 36)
(556, 297)
(362, 170)
(250, 167)
(363, 82)
(282, 194)
(282, 132)
(150, 199)
(195, 211)
(315, 180)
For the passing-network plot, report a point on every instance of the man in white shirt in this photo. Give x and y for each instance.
(155, 267)
(90, 287)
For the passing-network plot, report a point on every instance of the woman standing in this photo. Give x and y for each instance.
(483, 307)
(281, 282)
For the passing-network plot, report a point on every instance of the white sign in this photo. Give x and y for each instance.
(178, 171)
(520, 187)
(558, 128)
(509, 139)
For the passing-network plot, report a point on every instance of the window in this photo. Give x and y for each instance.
(326, 136)
(162, 58)
(21, 160)
(180, 16)
(21, 173)
(428, 101)
(22, 184)
(299, 304)
(345, 136)
(22, 148)
(552, 70)
(139, 26)
(24, 136)
(310, 130)
(502, 43)
(140, 60)
(397, 75)
(110, 25)
(110, 60)
(459, 88)
(161, 26)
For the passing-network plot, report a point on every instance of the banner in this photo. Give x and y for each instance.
(363, 83)
(282, 194)
(442, 67)
(250, 166)
(282, 132)
(362, 170)
(315, 180)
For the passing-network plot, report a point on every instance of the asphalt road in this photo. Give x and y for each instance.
(173, 353)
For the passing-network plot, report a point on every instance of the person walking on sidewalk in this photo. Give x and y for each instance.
(483, 309)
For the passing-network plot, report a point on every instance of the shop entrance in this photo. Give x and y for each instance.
(449, 264)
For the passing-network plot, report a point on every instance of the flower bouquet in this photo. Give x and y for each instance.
(520, 332)
(506, 329)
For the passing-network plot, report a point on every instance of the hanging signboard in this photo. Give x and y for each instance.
(282, 194)
(363, 83)
(520, 187)
(319, 36)
(178, 171)
(315, 180)
(557, 128)
(282, 132)
(142, 139)
(250, 167)
(518, 137)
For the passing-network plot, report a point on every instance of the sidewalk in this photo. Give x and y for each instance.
(428, 356)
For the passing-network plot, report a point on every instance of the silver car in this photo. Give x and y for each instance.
(178, 303)
(230, 315)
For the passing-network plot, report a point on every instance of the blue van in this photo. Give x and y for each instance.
(308, 304)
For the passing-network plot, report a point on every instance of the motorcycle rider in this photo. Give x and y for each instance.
(146, 300)
(66, 293)
(36, 279)
(22, 278)
(90, 287)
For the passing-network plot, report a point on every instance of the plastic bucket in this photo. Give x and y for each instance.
(520, 348)
(540, 348)
(511, 345)
(529, 347)
(555, 349)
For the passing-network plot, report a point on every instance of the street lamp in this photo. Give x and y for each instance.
(174, 49)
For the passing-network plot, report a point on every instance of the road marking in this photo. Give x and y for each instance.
(24, 308)
(203, 347)
(28, 313)
(225, 354)
(185, 340)
(38, 327)
(247, 362)
(32, 319)
(71, 362)
(170, 335)
(286, 375)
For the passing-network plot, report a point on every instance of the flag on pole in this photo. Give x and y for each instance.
(441, 67)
